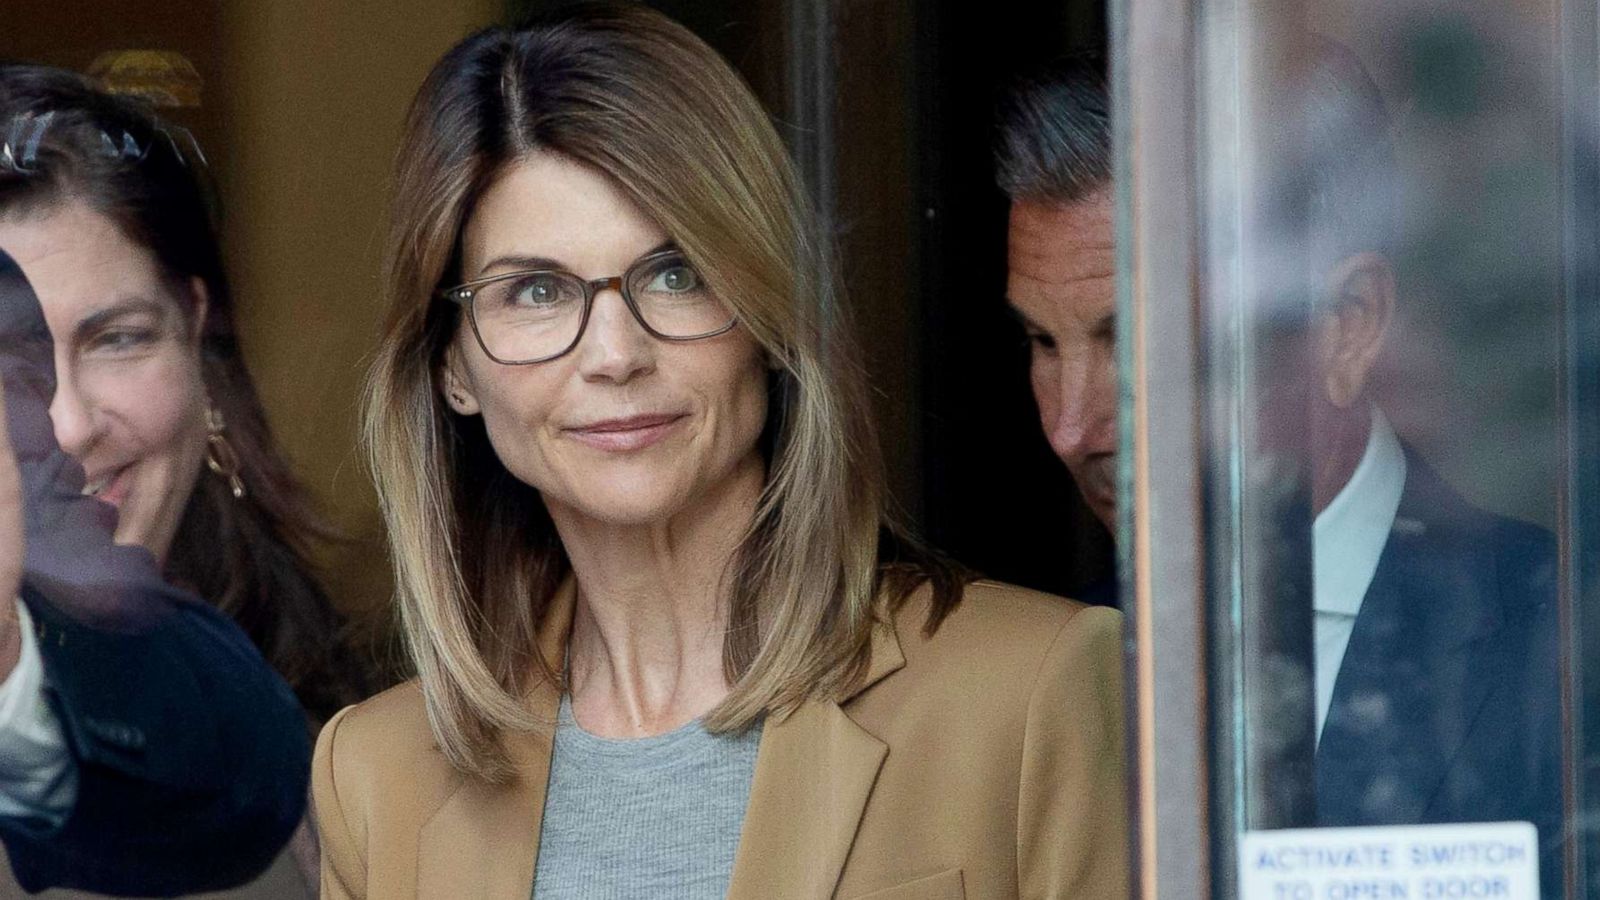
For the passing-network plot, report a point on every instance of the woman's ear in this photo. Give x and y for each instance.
(458, 392)
(202, 308)
(1354, 321)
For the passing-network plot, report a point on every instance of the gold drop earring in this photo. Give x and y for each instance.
(220, 456)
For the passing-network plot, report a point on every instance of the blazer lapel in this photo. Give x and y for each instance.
(1418, 666)
(484, 840)
(814, 774)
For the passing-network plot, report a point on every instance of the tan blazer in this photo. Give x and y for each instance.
(985, 761)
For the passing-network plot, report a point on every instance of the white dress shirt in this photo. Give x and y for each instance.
(1347, 539)
(37, 777)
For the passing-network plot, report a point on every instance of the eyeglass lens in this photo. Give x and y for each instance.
(539, 314)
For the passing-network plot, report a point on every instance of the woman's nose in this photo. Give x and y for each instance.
(73, 415)
(615, 347)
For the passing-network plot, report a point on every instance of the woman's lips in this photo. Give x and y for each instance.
(631, 433)
(110, 487)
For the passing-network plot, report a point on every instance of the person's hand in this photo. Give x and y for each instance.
(69, 558)
(11, 550)
(11, 540)
(25, 367)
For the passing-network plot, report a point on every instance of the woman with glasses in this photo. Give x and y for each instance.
(668, 641)
(106, 211)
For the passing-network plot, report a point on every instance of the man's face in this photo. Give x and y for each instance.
(1061, 284)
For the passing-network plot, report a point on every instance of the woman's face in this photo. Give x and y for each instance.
(129, 402)
(625, 429)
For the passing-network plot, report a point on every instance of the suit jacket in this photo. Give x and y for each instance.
(985, 760)
(282, 880)
(1447, 706)
(192, 755)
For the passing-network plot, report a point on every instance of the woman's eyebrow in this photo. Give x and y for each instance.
(517, 263)
(128, 306)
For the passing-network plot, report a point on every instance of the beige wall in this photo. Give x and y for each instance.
(314, 96)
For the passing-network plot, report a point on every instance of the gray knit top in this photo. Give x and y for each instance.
(649, 817)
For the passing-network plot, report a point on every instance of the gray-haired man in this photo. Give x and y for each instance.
(1436, 689)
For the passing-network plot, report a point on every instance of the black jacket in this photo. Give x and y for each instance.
(1447, 706)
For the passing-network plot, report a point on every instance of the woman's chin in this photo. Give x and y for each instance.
(623, 507)
(134, 536)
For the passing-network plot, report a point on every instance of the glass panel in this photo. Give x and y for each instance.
(1396, 289)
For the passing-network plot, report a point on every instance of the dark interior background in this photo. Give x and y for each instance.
(993, 493)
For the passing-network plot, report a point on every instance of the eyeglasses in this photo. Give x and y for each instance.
(537, 315)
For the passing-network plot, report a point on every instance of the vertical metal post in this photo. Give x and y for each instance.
(1579, 496)
(1219, 169)
(1162, 540)
(1215, 358)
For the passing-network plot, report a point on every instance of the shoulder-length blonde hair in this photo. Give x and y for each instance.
(640, 98)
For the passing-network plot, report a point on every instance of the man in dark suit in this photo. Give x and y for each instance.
(1436, 687)
(145, 747)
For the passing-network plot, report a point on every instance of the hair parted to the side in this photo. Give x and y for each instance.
(639, 98)
(250, 557)
(1054, 141)
(1337, 196)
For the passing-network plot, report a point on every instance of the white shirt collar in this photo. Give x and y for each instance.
(1348, 537)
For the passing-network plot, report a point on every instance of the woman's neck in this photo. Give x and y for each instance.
(647, 635)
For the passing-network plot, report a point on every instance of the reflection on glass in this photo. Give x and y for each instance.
(1383, 249)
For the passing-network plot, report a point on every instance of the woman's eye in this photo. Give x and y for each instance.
(1038, 340)
(121, 339)
(677, 278)
(537, 290)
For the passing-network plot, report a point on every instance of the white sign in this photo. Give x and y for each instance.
(1499, 861)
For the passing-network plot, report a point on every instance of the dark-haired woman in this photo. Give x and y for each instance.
(105, 210)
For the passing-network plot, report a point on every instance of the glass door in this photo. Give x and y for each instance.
(1357, 260)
